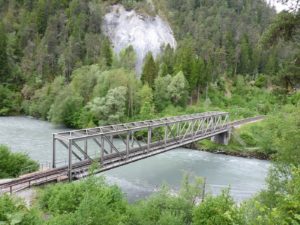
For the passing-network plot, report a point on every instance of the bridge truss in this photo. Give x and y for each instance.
(123, 143)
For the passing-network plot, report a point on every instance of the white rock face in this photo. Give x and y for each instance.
(144, 33)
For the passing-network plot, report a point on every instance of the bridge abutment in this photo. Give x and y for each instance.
(222, 138)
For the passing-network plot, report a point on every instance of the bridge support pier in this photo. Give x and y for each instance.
(222, 138)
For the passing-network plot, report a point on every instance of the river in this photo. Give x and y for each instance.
(139, 179)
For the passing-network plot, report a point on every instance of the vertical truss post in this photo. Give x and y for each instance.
(192, 128)
(86, 148)
(149, 138)
(177, 129)
(53, 151)
(166, 135)
(127, 143)
(70, 160)
(102, 150)
(112, 141)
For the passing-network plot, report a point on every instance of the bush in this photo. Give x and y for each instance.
(261, 81)
(218, 210)
(13, 164)
(10, 101)
(14, 211)
(66, 108)
(40, 103)
(86, 202)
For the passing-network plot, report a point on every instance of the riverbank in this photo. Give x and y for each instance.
(231, 150)
(248, 155)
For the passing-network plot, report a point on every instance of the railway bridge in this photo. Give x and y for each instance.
(120, 144)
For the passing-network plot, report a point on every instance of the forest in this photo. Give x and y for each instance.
(57, 64)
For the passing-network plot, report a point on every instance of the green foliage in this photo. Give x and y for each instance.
(86, 202)
(150, 70)
(4, 66)
(164, 208)
(84, 80)
(42, 40)
(127, 59)
(279, 204)
(185, 57)
(217, 210)
(130, 4)
(295, 99)
(261, 81)
(10, 101)
(14, 164)
(286, 139)
(161, 95)
(111, 108)
(14, 211)
(279, 136)
(107, 53)
(244, 65)
(119, 77)
(66, 108)
(146, 97)
(41, 101)
(178, 90)
(159, 209)
(285, 26)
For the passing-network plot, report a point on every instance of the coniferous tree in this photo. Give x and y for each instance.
(272, 64)
(107, 52)
(149, 70)
(244, 65)
(41, 16)
(230, 52)
(168, 59)
(185, 59)
(4, 66)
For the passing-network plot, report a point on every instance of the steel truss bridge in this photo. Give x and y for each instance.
(122, 144)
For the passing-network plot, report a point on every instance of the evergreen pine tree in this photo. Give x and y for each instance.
(185, 58)
(107, 52)
(4, 67)
(41, 16)
(150, 70)
(244, 65)
(230, 53)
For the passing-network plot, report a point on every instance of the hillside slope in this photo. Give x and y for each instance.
(57, 63)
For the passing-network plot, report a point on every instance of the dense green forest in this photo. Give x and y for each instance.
(238, 56)
(57, 64)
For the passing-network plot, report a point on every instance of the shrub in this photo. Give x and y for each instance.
(217, 210)
(66, 108)
(13, 164)
(261, 81)
(14, 211)
(10, 101)
(90, 201)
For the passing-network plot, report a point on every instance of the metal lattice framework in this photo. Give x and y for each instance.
(123, 143)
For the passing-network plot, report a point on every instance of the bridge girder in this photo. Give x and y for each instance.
(137, 139)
